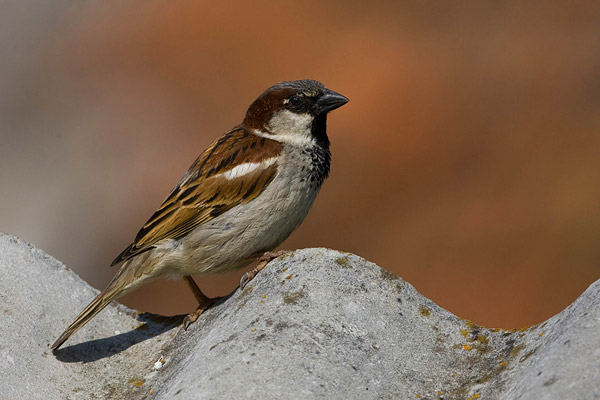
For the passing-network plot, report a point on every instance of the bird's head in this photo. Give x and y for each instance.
(293, 112)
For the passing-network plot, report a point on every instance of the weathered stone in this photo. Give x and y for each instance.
(315, 323)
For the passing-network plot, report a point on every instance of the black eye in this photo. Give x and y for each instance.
(296, 103)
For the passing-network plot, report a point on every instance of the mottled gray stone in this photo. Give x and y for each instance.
(314, 324)
(38, 298)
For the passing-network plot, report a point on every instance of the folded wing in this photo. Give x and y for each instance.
(233, 170)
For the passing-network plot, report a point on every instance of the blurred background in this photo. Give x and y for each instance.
(467, 162)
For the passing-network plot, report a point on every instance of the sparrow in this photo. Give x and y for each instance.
(240, 199)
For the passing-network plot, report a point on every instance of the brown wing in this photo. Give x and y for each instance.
(206, 190)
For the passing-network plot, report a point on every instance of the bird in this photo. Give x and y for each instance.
(239, 200)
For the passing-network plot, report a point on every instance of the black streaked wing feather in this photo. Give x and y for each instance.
(203, 194)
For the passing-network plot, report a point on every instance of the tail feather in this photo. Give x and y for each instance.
(131, 275)
(97, 305)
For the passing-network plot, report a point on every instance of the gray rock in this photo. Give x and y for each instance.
(314, 324)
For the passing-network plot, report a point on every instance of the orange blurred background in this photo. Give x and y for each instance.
(467, 162)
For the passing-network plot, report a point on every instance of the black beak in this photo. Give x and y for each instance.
(329, 101)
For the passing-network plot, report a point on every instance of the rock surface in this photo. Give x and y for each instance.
(314, 324)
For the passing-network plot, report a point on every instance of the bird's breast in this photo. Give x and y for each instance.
(260, 225)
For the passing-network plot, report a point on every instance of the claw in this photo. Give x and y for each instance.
(192, 317)
(248, 276)
(264, 259)
(188, 320)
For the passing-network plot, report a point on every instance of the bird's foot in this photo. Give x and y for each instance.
(191, 318)
(203, 302)
(263, 259)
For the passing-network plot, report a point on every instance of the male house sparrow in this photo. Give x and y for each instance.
(241, 198)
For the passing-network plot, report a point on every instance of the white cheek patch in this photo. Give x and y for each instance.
(246, 168)
(288, 127)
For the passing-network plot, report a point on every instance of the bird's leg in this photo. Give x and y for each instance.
(200, 297)
(263, 259)
(203, 302)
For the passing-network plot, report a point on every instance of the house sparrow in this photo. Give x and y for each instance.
(240, 199)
